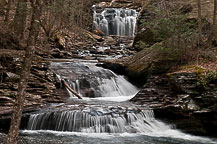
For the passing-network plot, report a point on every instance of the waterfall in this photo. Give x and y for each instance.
(98, 120)
(88, 80)
(92, 117)
(115, 21)
(91, 81)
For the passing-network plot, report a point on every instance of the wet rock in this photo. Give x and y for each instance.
(56, 53)
(89, 58)
(110, 51)
(176, 99)
(11, 77)
(115, 65)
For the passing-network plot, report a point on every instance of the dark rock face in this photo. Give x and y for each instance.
(40, 89)
(177, 99)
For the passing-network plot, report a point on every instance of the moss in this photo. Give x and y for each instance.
(144, 39)
(192, 68)
(205, 78)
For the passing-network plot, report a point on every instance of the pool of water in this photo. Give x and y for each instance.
(167, 137)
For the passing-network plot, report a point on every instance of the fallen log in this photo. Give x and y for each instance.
(70, 89)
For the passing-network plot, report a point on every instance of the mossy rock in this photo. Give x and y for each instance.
(144, 39)
(155, 60)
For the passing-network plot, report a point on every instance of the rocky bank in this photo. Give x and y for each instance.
(179, 99)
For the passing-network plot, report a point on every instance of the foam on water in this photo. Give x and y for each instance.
(113, 99)
(174, 134)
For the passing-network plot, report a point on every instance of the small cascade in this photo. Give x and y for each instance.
(88, 80)
(115, 21)
(98, 120)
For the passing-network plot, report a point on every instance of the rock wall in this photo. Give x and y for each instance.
(41, 88)
(178, 99)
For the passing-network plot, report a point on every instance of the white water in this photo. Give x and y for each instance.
(88, 80)
(105, 137)
(109, 119)
(122, 123)
(114, 21)
(113, 99)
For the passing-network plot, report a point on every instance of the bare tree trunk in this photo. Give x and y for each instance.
(212, 34)
(20, 18)
(20, 98)
(199, 29)
(7, 12)
(199, 21)
(214, 19)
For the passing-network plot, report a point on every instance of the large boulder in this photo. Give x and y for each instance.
(144, 38)
(155, 60)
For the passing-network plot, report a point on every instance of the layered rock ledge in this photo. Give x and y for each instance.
(179, 99)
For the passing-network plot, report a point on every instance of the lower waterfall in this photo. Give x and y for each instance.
(94, 121)
(98, 120)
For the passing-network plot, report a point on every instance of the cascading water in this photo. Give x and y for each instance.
(115, 21)
(91, 81)
(98, 120)
(125, 122)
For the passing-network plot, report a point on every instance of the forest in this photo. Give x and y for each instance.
(74, 69)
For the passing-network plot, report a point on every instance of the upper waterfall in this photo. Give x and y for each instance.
(115, 21)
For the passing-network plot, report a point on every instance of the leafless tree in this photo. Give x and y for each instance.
(20, 98)
(199, 21)
(7, 11)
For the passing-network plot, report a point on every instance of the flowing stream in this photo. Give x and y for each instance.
(104, 115)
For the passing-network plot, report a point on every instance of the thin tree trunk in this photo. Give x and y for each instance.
(214, 19)
(199, 29)
(7, 12)
(20, 98)
(20, 18)
(212, 34)
(199, 21)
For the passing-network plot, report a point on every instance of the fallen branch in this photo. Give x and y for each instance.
(70, 89)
